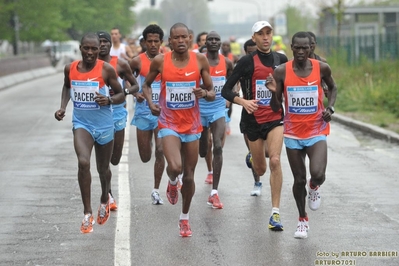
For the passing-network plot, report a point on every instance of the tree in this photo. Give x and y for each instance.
(62, 19)
(297, 20)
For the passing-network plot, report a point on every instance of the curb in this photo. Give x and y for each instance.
(375, 131)
(20, 77)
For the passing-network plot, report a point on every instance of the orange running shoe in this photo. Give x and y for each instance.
(103, 213)
(112, 203)
(209, 179)
(214, 201)
(185, 229)
(87, 224)
(172, 193)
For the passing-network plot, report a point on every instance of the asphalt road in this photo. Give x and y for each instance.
(42, 209)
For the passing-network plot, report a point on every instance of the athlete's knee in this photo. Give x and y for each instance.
(274, 162)
(217, 150)
(318, 178)
(159, 153)
(259, 169)
(299, 181)
(84, 164)
(145, 156)
(115, 160)
(103, 170)
(174, 170)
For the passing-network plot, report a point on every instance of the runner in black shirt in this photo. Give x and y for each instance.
(261, 125)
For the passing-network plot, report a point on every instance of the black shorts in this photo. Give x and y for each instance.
(256, 131)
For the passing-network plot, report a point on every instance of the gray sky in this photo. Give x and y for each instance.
(239, 10)
(236, 9)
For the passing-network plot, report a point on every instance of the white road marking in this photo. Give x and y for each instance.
(122, 231)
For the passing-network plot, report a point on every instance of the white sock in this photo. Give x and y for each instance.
(214, 191)
(180, 176)
(156, 190)
(183, 216)
(174, 182)
(275, 210)
(210, 172)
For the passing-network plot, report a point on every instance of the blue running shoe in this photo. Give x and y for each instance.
(248, 160)
(275, 223)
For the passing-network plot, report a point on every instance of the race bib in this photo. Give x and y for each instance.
(218, 83)
(302, 99)
(262, 93)
(83, 94)
(156, 90)
(179, 95)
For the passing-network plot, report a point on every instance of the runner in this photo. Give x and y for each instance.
(258, 121)
(179, 116)
(86, 82)
(146, 123)
(213, 115)
(118, 48)
(119, 112)
(306, 123)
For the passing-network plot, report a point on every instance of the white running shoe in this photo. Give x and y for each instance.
(302, 229)
(314, 198)
(156, 199)
(257, 189)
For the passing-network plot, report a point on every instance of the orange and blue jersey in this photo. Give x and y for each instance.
(179, 105)
(119, 110)
(142, 108)
(218, 75)
(84, 86)
(304, 104)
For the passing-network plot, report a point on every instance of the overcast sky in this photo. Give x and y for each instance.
(239, 10)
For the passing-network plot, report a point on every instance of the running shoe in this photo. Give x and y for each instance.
(103, 213)
(209, 179)
(302, 228)
(112, 203)
(87, 224)
(172, 193)
(314, 198)
(156, 198)
(185, 229)
(257, 189)
(248, 160)
(214, 201)
(275, 223)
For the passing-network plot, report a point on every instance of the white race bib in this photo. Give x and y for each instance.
(262, 93)
(302, 99)
(83, 94)
(218, 83)
(180, 95)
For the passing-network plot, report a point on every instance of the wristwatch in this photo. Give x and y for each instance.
(331, 108)
(127, 91)
(110, 101)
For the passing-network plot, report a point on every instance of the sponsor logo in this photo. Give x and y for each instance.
(190, 73)
(219, 71)
(311, 83)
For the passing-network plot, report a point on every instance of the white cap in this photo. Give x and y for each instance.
(260, 25)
